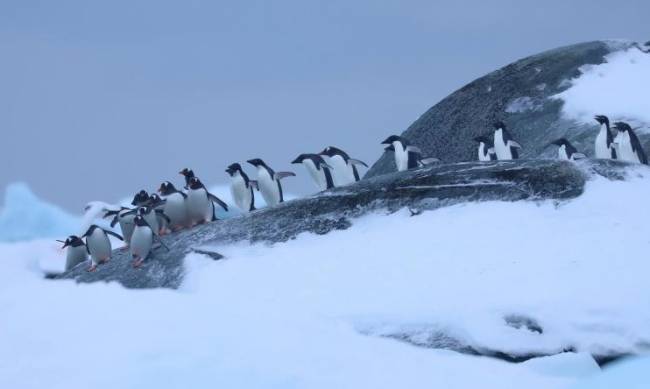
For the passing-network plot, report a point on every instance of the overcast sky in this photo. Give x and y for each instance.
(101, 99)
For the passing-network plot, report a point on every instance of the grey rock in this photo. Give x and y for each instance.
(419, 190)
(519, 95)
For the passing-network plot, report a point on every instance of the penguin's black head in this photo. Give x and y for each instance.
(483, 139)
(602, 119)
(142, 211)
(72, 240)
(391, 139)
(256, 162)
(140, 197)
(499, 125)
(331, 151)
(301, 158)
(154, 199)
(139, 221)
(622, 126)
(188, 173)
(166, 188)
(195, 183)
(560, 142)
(233, 168)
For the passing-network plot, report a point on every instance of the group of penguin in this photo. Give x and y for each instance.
(155, 214)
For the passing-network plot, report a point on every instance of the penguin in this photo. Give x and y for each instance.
(628, 147)
(175, 207)
(158, 205)
(485, 149)
(566, 151)
(124, 216)
(200, 203)
(504, 146)
(407, 156)
(187, 173)
(319, 171)
(76, 252)
(603, 144)
(241, 188)
(141, 198)
(344, 169)
(268, 182)
(98, 245)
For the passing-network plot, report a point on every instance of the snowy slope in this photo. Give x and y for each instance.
(619, 88)
(314, 312)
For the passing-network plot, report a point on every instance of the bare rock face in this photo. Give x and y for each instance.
(419, 190)
(518, 95)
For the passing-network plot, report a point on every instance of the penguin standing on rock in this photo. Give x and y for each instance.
(269, 183)
(200, 203)
(187, 174)
(76, 252)
(504, 145)
(241, 188)
(566, 151)
(603, 144)
(98, 245)
(142, 241)
(628, 147)
(344, 168)
(485, 149)
(407, 156)
(158, 205)
(124, 216)
(175, 207)
(319, 171)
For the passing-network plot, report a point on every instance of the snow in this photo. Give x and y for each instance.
(523, 104)
(25, 217)
(311, 312)
(631, 373)
(618, 88)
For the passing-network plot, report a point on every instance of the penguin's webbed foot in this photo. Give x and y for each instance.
(137, 262)
(92, 268)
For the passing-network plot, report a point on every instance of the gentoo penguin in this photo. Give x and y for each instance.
(200, 202)
(241, 188)
(76, 252)
(175, 207)
(504, 146)
(628, 147)
(141, 198)
(319, 171)
(141, 241)
(268, 182)
(98, 245)
(187, 173)
(158, 206)
(566, 151)
(124, 216)
(344, 168)
(407, 156)
(485, 149)
(603, 145)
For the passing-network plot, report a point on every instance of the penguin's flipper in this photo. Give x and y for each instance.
(111, 213)
(413, 149)
(115, 220)
(217, 200)
(156, 237)
(512, 143)
(164, 216)
(88, 231)
(326, 166)
(182, 194)
(578, 156)
(357, 162)
(118, 236)
(281, 175)
(429, 161)
(60, 241)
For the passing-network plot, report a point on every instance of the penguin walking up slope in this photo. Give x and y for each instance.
(628, 147)
(407, 156)
(158, 205)
(269, 183)
(187, 174)
(76, 252)
(485, 149)
(175, 207)
(319, 171)
(200, 203)
(142, 241)
(124, 217)
(344, 169)
(241, 188)
(504, 145)
(566, 151)
(603, 145)
(98, 245)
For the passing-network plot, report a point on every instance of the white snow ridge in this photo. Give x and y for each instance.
(359, 308)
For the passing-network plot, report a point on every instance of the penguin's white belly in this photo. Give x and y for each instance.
(126, 225)
(152, 219)
(482, 156)
(341, 172)
(625, 148)
(269, 188)
(561, 153)
(500, 147)
(601, 149)
(240, 193)
(141, 242)
(176, 211)
(401, 157)
(99, 246)
(162, 222)
(317, 175)
(75, 256)
(199, 206)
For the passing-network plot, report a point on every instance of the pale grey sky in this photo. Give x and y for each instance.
(101, 99)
